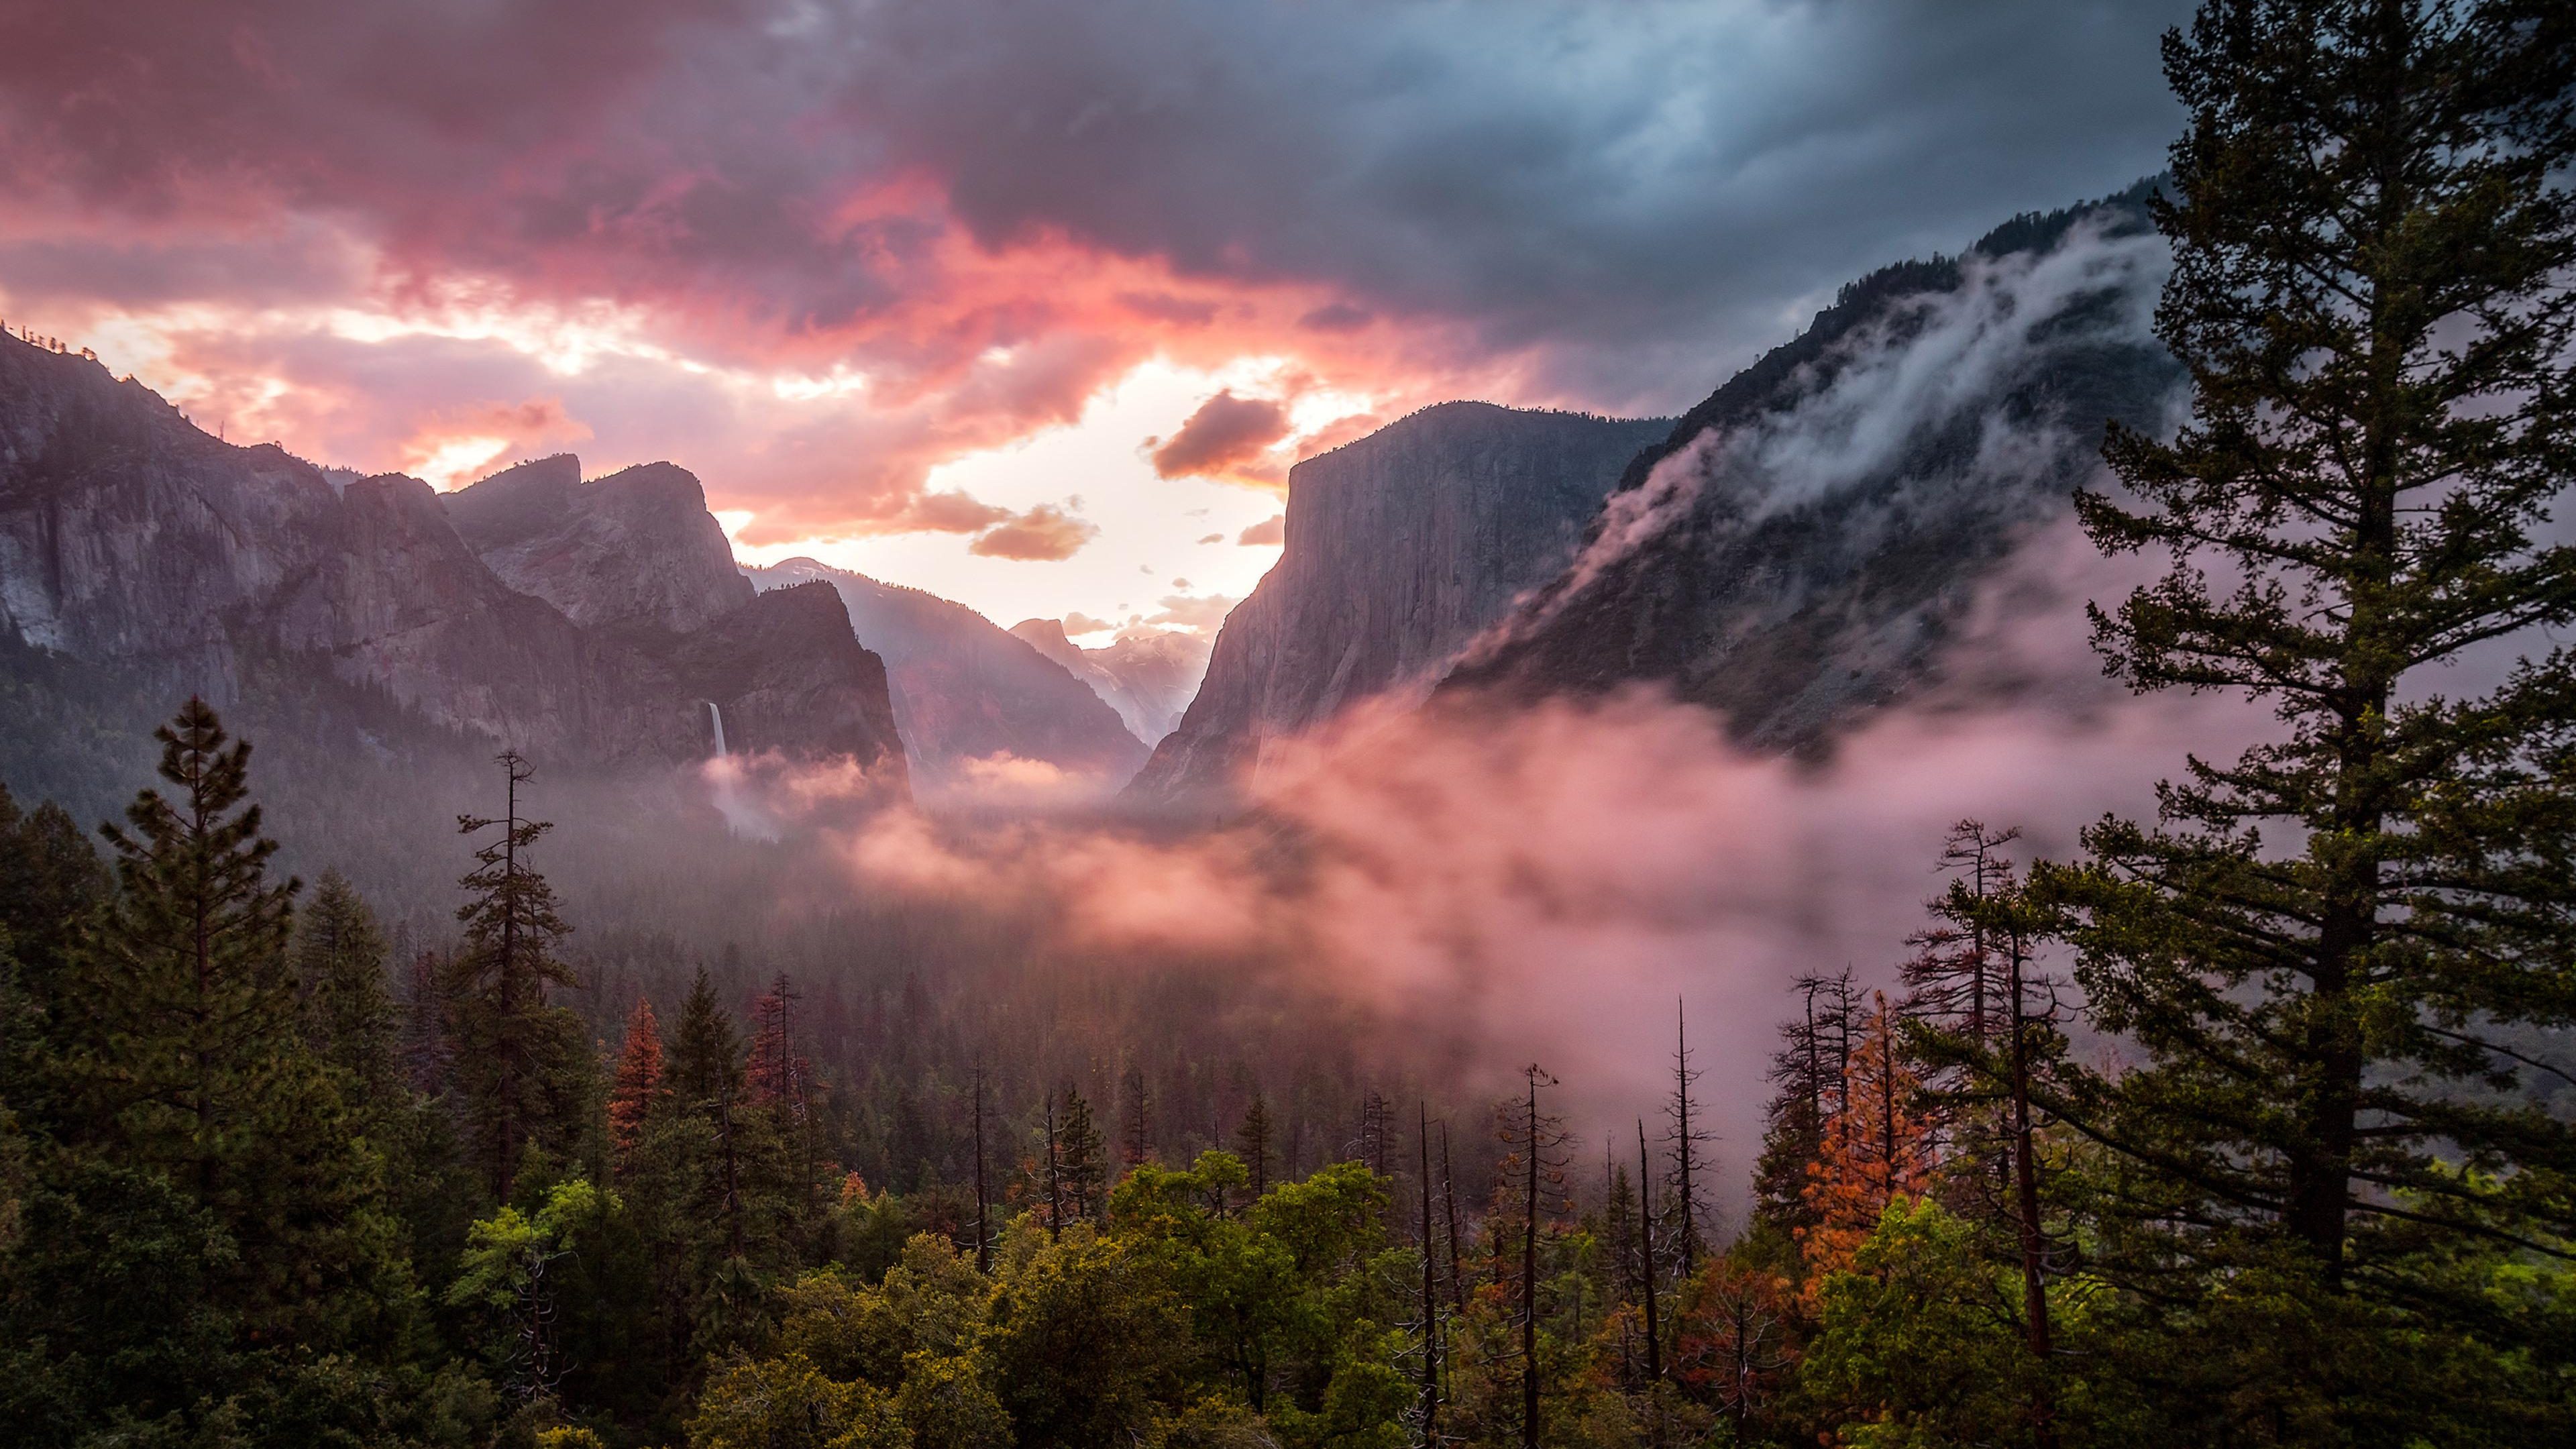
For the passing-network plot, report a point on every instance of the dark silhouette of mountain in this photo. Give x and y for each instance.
(1799, 548)
(1149, 676)
(966, 690)
(1401, 546)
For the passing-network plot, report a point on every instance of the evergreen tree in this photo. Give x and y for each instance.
(706, 1048)
(1084, 1155)
(1878, 1150)
(1690, 1175)
(638, 1091)
(1253, 1136)
(1136, 1142)
(207, 1223)
(2318, 949)
(521, 1062)
(350, 1016)
(1809, 1072)
(49, 879)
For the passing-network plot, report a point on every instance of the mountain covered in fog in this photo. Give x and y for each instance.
(1801, 545)
(581, 623)
(966, 690)
(1401, 546)
(1149, 676)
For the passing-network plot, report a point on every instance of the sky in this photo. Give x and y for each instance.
(1030, 303)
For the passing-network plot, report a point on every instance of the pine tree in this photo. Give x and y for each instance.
(638, 1092)
(190, 1000)
(1084, 1158)
(519, 1060)
(1371, 1148)
(190, 1110)
(1136, 1145)
(1690, 1177)
(1808, 1071)
(2316, 949)
(1878, 1148)
(706, 1048)
(350, 1016)
(1252, 1137)
(1647, 1268)
(777, 1073)
(49, 879)
(1534, 1171)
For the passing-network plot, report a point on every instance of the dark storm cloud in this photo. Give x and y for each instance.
(1638, 191)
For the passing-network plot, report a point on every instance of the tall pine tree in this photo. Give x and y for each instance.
(2315, 948)
(520, 1061)
(207, 1226)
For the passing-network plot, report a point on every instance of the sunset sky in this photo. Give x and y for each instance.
(1027, 303)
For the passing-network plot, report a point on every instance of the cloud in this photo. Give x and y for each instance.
(1478, 886)
(1045, 533)
(1226, 438)
(453, 446)
(1336, 317)
(1213, 538)
(1200, 615)
(952, 512)
(801, 249)
(1271, 532)
(1080, 623)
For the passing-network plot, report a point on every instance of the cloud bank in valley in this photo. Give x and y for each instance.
(1492, 887)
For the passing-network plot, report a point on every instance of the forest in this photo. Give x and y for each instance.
(2251, 1123)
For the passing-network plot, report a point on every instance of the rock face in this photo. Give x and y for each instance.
(965, 690)
(1800, 546)
(788, 672)
(132, 541)
(634, 554)
(1400, 548)
(1148, 677)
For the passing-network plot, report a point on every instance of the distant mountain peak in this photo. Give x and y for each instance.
(966, 691)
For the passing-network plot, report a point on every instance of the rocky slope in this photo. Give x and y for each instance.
(1149, 677)
(131, 541)
(965, 690)
(634, 554)
(1400, 548)
(1798, 549)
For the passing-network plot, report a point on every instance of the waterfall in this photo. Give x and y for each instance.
(717, 716)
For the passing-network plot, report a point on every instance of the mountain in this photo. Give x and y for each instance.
(1149, 676)
(142, 559)
(633, 554)
(966, 690)
(1401, 547)
(1801, 545)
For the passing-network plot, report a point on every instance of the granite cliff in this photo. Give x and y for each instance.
(1799, 548)
(132, 542)
(634, 554)
(1401, 547)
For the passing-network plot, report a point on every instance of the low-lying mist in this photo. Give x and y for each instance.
(1474, 888)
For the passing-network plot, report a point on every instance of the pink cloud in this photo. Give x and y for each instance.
(1045, 533)
(1226, 438)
